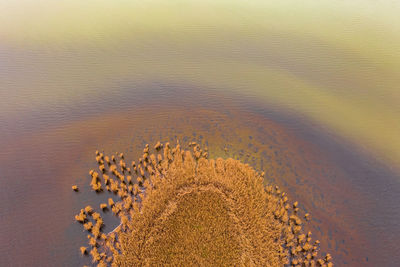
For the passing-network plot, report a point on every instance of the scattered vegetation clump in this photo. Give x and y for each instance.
(81, 217)
(83, 250)
(177, 207)
(89, 209)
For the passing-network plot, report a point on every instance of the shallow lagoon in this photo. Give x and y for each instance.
(312, 104)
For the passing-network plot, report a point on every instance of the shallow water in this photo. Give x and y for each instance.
(315, 107)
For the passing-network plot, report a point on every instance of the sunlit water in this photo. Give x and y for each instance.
(308, 95)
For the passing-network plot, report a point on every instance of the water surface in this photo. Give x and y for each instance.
(309, 94)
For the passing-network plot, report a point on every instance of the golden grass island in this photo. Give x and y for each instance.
(179, 208)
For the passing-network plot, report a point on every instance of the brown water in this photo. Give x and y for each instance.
(307, 93)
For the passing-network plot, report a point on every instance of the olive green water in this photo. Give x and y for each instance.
(307, 91)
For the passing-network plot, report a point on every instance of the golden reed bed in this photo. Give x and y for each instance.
(178, 208)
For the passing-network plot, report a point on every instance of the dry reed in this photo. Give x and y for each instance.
(185, 209)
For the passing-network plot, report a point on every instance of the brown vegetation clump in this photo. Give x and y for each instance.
(158, 146)
(88, 226)
(110, 202)
(83, 250)
(81, 217)
(185, 210)
(89, 209)
(96, 216)
(75, 188)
